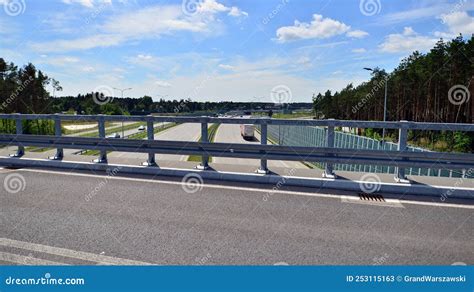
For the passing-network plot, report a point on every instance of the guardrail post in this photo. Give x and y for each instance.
(103, 153)
(204, 139)
(263, 140)
(402, 146)
(57, 132)
(329, 170)
(150, 130)
(19, 131)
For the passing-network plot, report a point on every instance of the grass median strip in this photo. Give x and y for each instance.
(115, 129)
(211, 131)
(90, 135)
(137, 136)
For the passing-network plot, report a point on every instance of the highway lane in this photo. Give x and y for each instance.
(182, 132)
(87, 219)
(230, 133)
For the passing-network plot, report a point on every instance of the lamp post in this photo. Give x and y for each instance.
(384, 104)
(122, 91)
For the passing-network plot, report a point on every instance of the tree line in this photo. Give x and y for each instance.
(434, 87)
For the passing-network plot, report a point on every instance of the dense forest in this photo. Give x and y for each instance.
(418, 89)
(434, 87)
(145, 105)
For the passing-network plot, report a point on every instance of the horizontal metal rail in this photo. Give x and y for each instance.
(258, 121)
(272, 152)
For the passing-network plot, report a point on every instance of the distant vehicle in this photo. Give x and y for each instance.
(141, 128)
(247, 131)
(114, 135)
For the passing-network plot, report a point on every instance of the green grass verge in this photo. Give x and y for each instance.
(211, 132)
(143, 135)
(137, 136)
(71, 132)
(37, 149)
(115, 129)
(90, 135)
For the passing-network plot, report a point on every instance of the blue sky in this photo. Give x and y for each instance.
(220, 50)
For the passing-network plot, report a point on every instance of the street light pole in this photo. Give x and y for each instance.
(384, 104)
(384, 109)
(122, 91)
(281, 111)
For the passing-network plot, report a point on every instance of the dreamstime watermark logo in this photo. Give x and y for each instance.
(378, 261)
(281, 94)
(103, 94)
(370, 95)
(281, 182)
(275, 11)
(370, 183)
(15, 93)
(14, 7)
(110, 173)
(47, 279)
(459, 94)
(192, 183)
(458, 182)
(183, 103)
(191, 7)
(370, 7)
(203, 260)
(14, 183)
(457, 7)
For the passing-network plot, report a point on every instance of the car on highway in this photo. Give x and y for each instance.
(114, 135)
(141, 128)
(247, 131)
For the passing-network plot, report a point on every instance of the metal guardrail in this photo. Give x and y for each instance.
(402, 158)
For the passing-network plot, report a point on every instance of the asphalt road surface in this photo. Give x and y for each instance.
(90, 219)
(230, 133)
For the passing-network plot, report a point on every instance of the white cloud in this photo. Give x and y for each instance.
(358, 34)
(457, 22)
(88, 3)
(144, 57)
(428, 10)
(59, 61)
(226, 67)
(319, 27)
(146, 23)
(142, 24)
(236, 12)
(161, 83)
(213, 7)
(406, 42)
(359, 50)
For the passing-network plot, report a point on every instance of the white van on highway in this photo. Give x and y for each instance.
(247, 131)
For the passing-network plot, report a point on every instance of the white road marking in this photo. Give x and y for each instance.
(99, 259)
(215, 186)
(386, 203)
(26, 260)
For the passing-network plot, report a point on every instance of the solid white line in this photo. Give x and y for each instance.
(26, 260)
(100, 259)
(268, 191)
